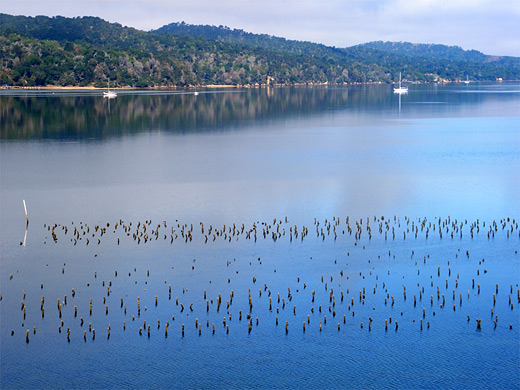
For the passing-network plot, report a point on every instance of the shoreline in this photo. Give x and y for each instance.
(237, 86)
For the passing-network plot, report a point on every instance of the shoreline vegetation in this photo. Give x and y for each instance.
(88, 52)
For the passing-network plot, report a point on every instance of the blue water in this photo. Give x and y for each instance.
(302, 156)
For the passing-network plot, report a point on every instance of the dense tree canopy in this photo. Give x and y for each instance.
(88, 51)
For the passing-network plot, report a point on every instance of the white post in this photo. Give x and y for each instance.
(25, 209)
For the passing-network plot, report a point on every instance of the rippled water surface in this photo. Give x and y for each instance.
(384, 208)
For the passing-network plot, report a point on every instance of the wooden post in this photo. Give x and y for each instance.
(26, 225)
(25, 209)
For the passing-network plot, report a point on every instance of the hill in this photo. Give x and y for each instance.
(448, 62)
(427, 51)
(86, 51)
(237, 36)
(441, 52)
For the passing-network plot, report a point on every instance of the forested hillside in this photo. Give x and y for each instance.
(226, 34)
(87, 51)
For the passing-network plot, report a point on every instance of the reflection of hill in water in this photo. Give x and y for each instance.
(63, 116)
(90, 117)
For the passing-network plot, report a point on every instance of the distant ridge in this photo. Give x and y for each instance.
(87, 51)
(228, 35)
(436, 51)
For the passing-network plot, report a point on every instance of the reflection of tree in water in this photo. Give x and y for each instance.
(88, 117)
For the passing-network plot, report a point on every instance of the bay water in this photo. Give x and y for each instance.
(387, 224)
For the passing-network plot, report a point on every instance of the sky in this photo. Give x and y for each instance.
(490, 26)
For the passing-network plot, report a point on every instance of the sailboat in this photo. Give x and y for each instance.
(109, 94)
(466, 81)
(401, 89)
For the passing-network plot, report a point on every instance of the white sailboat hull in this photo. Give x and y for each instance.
(109, 94)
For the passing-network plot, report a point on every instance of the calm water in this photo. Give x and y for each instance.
(266, 161)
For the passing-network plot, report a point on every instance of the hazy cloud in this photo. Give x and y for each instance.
(492, 27)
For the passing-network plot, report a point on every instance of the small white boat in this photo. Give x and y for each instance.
(401, 89)
(466, 81)
(108, 93)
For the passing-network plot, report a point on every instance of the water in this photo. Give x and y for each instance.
(246, 157)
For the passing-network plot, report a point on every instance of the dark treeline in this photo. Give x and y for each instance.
(88, 51)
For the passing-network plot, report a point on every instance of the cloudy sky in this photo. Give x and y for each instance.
(490, 26)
